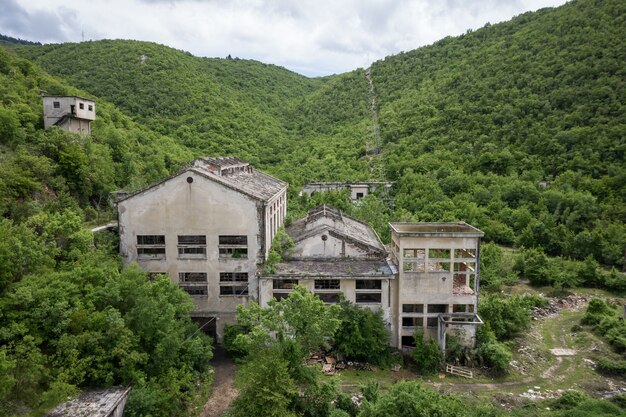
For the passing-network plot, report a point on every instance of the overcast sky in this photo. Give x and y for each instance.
(312, 37)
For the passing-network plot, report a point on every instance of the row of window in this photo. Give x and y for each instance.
(436, 308)
(439, 253)
(152, 247)
(231, 283)
(57, 105)
(368, 290)
(438, 266)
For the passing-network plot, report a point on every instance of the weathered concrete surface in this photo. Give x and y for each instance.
(108, 402)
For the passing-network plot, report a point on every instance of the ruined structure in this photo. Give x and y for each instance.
(108, 402)
(438, 280)
(358, 190)
(209, 228)
(70, 113)
(333, 254)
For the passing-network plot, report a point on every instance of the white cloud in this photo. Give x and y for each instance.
(311, 37)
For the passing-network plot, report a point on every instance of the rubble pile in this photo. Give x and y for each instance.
(333, 363)
(535, 393)
(555, 305)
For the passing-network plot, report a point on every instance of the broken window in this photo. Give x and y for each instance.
(465, 253)
(415, 253)
(327, 284)
(432, 322)
(459, 308)
(192, 246)
(81, 106)
(408, 341)
(412, 308)
(233, 246)
(194, 289)
(439, 266)
(232, 283)
(233, 277)
(368, 298)
(234, 290)
(359, 196)
(285, 284)
(90, 107)
(464, 266)
(194, 283)
(56, 104)
(412, 322)
(329, 298)
(192, 277)
(150, 247)
(414, 266)
(439, 253)
(280, 295)
(368, 284)
(437, 308)
(152, 275)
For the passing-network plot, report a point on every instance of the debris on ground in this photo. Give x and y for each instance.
(557, 304)
(563, 352)
(535, 393)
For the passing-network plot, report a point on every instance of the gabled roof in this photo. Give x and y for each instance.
(232, 173)
(328, 219)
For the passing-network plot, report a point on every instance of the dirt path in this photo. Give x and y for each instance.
(224, 391)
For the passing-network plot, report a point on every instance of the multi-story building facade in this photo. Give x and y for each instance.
(209, 228)
(438, 279)
(70, 113)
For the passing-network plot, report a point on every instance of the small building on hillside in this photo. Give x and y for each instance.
(333, 254)
(209, 228)
(358, 190)
(70, 113)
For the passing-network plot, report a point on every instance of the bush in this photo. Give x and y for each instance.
(363, 335)
(426, 354)
(231, 331)
(508, 316)
(611, 367)
(491, 352)
(569, 400)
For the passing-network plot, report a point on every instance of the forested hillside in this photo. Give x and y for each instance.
(517, 127)
(69, 315)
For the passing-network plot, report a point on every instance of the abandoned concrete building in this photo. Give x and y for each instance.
(210, 228)
(333, 254)
(70, 113)
(358, 190)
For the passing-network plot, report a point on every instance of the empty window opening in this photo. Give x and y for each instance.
(233, 246)
(234, 283)
(234, 290)
(285, 284)
(464, 266)
(233, 277)
(368, 298)
(439, 253)
(437, 308)
(432, 322)
(150, 247)
(192, 246)
(368, 284)
(459, 308)
(412, 308)
(415, 253)
(359, 196)
(329, 298)
(90, 107)
(408, 341)
(280, 295)
(194, 289)
(412, 322)
(327, 284)
(81, 106)
(439, 266)
(56, 104)
(192, 277)
(414, 266)
(465, 253)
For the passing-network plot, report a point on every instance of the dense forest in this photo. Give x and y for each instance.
(518, 128)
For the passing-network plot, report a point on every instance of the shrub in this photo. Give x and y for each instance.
(426, 354)
(231, 331)
(611, 367)
(569, 400)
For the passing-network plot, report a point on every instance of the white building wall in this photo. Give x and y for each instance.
(202, 207)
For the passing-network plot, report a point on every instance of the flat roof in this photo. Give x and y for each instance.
(323, 268)
(436, 229)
